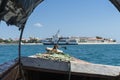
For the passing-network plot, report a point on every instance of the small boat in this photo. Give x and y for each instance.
(50, 49)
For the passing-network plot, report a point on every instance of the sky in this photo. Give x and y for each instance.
(84, 18)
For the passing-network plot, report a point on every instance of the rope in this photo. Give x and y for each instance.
(69, 74)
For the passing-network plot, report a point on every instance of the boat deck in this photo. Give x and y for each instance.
(75, 69)
(46, 69)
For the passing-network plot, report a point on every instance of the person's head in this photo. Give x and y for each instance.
(55, 46)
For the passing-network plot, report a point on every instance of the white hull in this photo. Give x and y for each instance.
(50, 49)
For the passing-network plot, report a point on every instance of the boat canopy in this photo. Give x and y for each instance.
(16, 12)
(116, 3)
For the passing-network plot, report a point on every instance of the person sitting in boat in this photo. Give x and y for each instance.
(55, 48)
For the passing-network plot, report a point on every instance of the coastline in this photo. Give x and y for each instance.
(100, 43)
(21, 44)
(43, 44)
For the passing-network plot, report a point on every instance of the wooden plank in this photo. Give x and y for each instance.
(95, 69)
(13, 74)
(77, 67)
(9, 70)
(45, 64)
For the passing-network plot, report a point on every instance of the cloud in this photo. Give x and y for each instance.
(38, 25)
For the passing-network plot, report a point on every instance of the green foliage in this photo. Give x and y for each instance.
(98, 37)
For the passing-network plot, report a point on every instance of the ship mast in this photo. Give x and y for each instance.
(56, 37)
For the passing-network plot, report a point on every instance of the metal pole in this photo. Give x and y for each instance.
(19, 51)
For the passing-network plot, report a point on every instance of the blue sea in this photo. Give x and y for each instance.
(108, 54)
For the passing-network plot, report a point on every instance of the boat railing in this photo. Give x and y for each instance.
(9, 70)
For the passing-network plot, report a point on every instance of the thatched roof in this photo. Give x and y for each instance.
(16, 12)
(116, 3)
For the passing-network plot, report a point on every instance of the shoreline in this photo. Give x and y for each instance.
(99, 43)
(21, 44)
(43, 44)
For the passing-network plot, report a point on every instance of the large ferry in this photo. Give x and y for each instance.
(56, 39)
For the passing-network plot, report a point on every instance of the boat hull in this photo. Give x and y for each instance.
(43, 69)
(9, 71)
(73, 70)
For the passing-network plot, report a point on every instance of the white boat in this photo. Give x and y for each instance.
(50, 49)
(73, 42)
(62, 42)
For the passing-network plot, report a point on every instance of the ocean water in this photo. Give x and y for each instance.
(108, 54)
